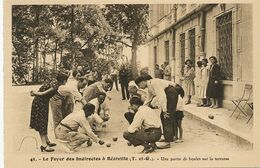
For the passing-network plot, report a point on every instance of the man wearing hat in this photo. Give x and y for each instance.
(145, 129)
(167, 96)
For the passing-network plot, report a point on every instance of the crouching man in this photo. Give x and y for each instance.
(67, 130)
(145, 129)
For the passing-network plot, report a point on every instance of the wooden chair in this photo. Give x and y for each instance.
(241, 102)
(250, 104)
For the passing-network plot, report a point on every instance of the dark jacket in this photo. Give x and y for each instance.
(123, 76)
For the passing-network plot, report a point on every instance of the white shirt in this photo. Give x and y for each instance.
(156, 88)
(180, 104)
(145, 118)
(167, 70)
(72, 87)
(76, 120)
(114, 72)
(104, 109)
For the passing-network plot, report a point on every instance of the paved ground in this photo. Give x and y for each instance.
(197, 136)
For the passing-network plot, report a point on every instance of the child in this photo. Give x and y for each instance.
(178, 118)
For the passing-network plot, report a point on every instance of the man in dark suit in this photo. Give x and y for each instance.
(124, 80)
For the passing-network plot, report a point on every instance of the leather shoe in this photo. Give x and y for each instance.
(164, 145)
(50, 144)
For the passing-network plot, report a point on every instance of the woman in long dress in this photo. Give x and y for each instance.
(40, 112)
(197, 79)
(213, 90)
(204, 82)
(189, 75)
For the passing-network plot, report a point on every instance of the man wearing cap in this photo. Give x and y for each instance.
(167, 96)
(145, 129)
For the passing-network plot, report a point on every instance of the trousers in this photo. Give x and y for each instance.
(142, 136)
(169, 124)
(74, 138)
(61, 106)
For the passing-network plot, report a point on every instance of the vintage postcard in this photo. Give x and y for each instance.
(131, 83)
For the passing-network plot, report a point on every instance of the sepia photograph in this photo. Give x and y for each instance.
(148, 84)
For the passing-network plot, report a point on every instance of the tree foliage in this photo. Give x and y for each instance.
(75, 34)
(130, 21)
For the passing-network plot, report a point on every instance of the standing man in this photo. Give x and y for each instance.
(63, 103)
(167, 94)
(114, 74)
(167, 71)
(158, 72)
(124, 80)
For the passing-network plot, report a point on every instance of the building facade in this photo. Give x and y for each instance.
(196, 31)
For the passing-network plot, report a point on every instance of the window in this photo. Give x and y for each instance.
(182, 51)
(160, 12)
(224, 45)
(192, 45)
(183, 9)
(167, 54)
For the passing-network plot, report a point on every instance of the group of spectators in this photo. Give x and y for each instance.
(205, 82)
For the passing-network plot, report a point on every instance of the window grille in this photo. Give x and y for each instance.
(224, 45)
(182, 53)
(192, 45)
(167, 54)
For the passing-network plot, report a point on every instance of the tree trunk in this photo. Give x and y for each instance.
(44, 61)
(134, 60)
(61, 63)
(55, 56)
(36, 68)
(72, 38)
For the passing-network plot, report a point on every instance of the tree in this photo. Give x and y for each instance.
(78, 33)
(22, 35)
(130, 21)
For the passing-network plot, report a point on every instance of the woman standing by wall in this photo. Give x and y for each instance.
(204, 82)
(189, 75)
(213, 90)
(197, 79)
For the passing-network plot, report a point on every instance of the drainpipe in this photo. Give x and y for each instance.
(202, 34)
(173, 55)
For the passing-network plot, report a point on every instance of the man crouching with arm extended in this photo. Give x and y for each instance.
(145, 129)
(67, 130)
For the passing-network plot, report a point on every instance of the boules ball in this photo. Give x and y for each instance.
(211, 116)
(115, 139)
(89, 143)
(108, 145)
